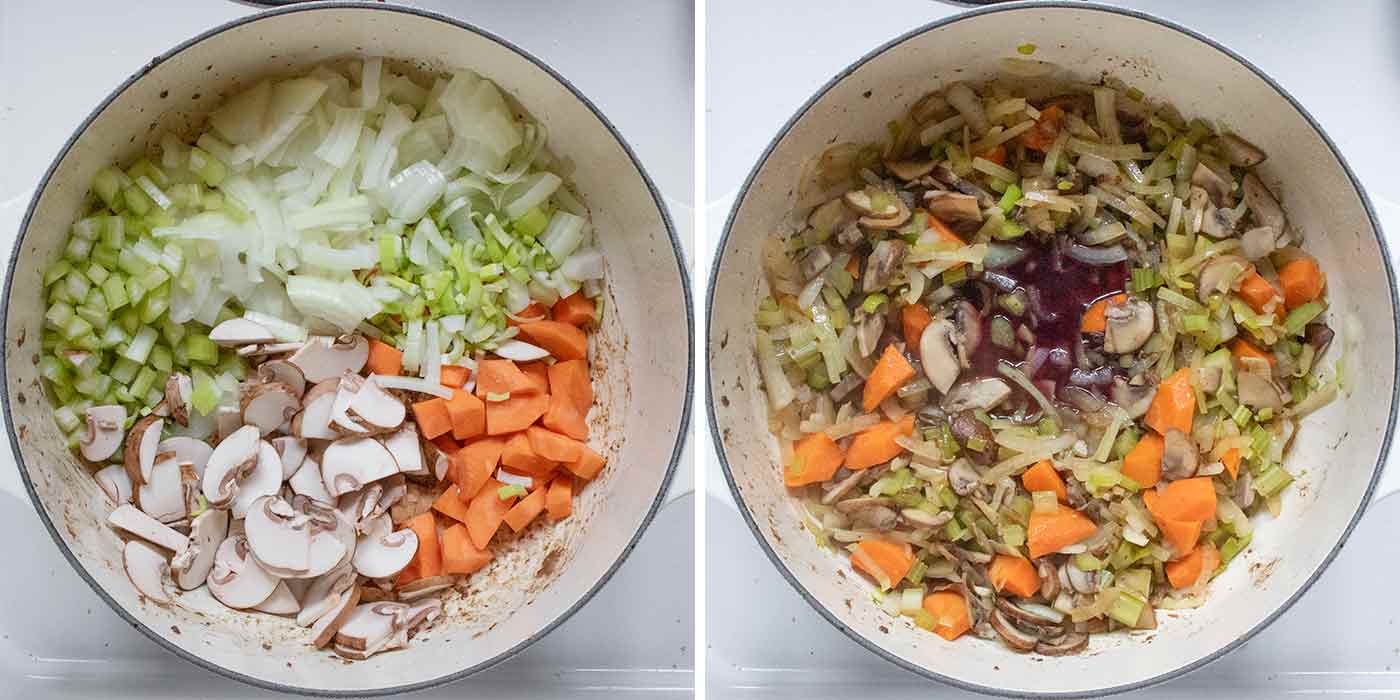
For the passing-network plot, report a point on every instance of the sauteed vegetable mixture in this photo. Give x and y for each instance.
(1036, 360)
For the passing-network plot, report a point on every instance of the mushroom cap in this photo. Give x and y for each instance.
(115, 482)
(341, 420)
(307, 482)
(283, 372)
(207, 532)
(141, 442)
(237, 580)
(265, 480)
(162, 496)
(104, 432)
(371, 626)
(376, 408)
(292, 451)
(233, 458)
(332, 538)
(937, 355)
(323, 357)
(406, 449)
(130, 519)
(350, 463)
(324, 629)
(316, 406)
(324, 592)
(382, 551)
(146, 567)
(178, 389)
(279, 537)
(229, 419)
(1127, 326)
(985, 393)
(280, 602)
(269, 405)
(240, 331)
(187, 450)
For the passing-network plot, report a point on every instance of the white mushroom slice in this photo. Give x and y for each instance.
(191, 567)
(162, 497)
(265, 480)
(374, 407)
(1240, 152)
(395, 488)
(269, 405)
(977, 394)
(146, 566)
(130, 519)
(104, 432)
(422, 614)
(141, 442)
(269, 349)
(330, 622)
(237, 580)
(520, 351)
(299, 587)
(1263, 206)
(350, 463)
(357, 506)
(281, 602)
(283, 372)
(235, 457)
(323, 358)
(315, 418)
(178, 389)
(240, 331)
(1127, 326)
(341, 420)
(307, 482)
(332, 538)
(229, 419)
(292, 451)
(279, 537)
(407, 450)
(382, 551)
(441, 466)
(115, 482)
(324, 594)
(425, 587)
(187, 450)
(937, 355)
(371, 626)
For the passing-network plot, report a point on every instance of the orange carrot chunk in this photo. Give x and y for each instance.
(1231, 460)
(886, 562)
(537, 373)
(575, 310)
(459, 555)
(485, 513)
(571, 395)
(915, 318)
(949, 612)
(1047, 127)
(1241, 348)
(384, 359)
(1182, 535)
(890, 373)
(563, 341)
(474, 464)
(408, 575)
(428, 558)
(1143, 464)
(876, 444)
(515, 413)
(1014, 575)
(559, 501)
(1257, 292)
(815, 458)
(520, 457)
(502, 377)
(433, 419)
(553, 446)
(1174, 406)
(588, 464)
(454, 376)
(1050, 532)
(1184, 499)
(1094, 319)
(467, 413)
(1043, 477)
(451, 505)
(534, 312)
(1302, 282)
(523, 513)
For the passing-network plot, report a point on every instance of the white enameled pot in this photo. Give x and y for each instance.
(645, 341)
(1339, 453)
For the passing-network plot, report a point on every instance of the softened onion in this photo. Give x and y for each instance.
(1097, 255)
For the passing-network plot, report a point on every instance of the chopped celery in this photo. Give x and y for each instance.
(1009, 198)
(201, 349)
(143, 382)
(510, 491)
(204, 395)
(1273, 480)
(1087, 562)
(1127, 608)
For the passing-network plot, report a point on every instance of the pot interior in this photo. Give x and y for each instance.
(1338, 451)
(534, 581)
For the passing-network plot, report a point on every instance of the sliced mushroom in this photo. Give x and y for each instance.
(1011, 634)
(518, 351)
(266, 349)
(279, 537)
(983, 394)
(1134, 400)
(1263, 206)
(141, 442)
(960, 212)
(832, 216)
(425, 587)
(318, 404)
(1127, 326)
(146, 568)
(285, 373)
(842, 487)
(307, 482)
(104, 432)
(1258, 242)
(909, 170)
(350, 463)
(240, 331)
(1026, 614)
(938, 356)
(1049, 579)
(269, 405)
(1319, 336)
(926, 519)
(130, 519)
(874, 517)
(966, 429)
(229, 419)
(1063, 645)
(421, 614)
(187, 451)
(232, 460)
(115, 482)
(191, 567)
(292, 452)
(325, 593)
(1257, 391)
(407, 450)
(1218, 272)
(236, 579)
(325, 628)
(869, 328)
(1214, 185)
(1179, 456)
(968, 336)
(376, 408)
(178, 389)
(332, 539)
(880, 265)
(861, 201)
(1240, 152)
(1086, 582)
(281, 602)
(852, 505)
(383, 551)
(1244, 489)
(962, 477)
(370, 628)
(814, 261)
(162, 496)
(323, 358)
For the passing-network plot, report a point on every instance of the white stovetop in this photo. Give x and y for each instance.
(1341, 59)
(57, 639)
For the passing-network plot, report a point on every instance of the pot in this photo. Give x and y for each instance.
(547, 575)
(1339, 452)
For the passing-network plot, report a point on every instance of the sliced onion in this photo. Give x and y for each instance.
(1003, 255)
(417, 384)
(1098, 256)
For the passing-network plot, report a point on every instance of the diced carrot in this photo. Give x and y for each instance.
(1047, 127)
(408, 575)
(520, 457)
(1184, 499)
(384, 359)
(459, 555)
(1094, 319)
(1231, 460)
(446, 445)
(534, 312)
(575, 310)
(853, 267)
(815, 458)
(588, 464)
(949, 611)
(1143, 464)
(553, 446)
(1043, 477)
(1241, 348)
(1182, 535)
(563, 341)
(451, 505)
(1302, 282)
(915, 318)
(1257, 292)
(433, 419)
(945, 235)
(475, 463)
(1184, 572)
(559, 501)
(523, 513)
(428, 559)
(996, 154)
(455, 376)
(1050, 532)
(537, 373)
(886, 562)
(571, 395)
(502, 377)
(1015, 575)
(1174, 406)
(485, 513)
(876, 444)
(468, 415)
(890, 373)
(515, 413)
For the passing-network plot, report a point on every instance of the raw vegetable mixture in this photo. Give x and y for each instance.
(330, 348)
(1036, 360)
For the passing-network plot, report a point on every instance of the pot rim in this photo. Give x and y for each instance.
(778, 561)
(676, 449)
